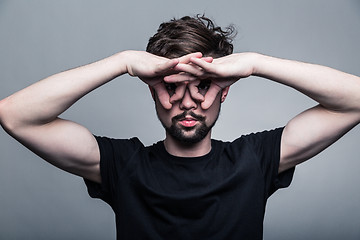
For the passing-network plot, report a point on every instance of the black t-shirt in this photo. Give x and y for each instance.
(221, 195)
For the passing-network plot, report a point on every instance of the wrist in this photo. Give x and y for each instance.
(121, 60)
(128, 60)
(255, 60)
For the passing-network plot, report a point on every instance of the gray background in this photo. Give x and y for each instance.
(40, 38)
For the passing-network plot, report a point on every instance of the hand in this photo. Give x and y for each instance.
(183, 80)
(223, 72)
(152, 69)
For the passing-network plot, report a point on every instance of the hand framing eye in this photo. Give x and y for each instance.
(204, 86)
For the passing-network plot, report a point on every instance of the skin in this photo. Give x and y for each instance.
(189, 103)
(31, 115)
(311, 131)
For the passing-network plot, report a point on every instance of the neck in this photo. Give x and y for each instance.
(181, 149)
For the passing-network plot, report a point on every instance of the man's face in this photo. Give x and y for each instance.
(186, 121)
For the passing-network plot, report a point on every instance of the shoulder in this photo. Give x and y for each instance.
(257, 139)
(258, 144)
(254, 138)
(116, 145)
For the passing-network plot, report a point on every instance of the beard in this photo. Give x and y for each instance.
(183, 134)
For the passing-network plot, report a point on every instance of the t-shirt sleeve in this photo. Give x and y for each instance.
(114, 156)
(267, 147)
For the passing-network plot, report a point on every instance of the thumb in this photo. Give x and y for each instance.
(163, 95)
(210, 96)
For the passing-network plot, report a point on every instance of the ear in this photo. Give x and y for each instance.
(152, 90)
(224, 93)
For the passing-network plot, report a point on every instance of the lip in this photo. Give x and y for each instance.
(188, 122)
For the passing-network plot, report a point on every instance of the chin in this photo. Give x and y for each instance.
(184, 136)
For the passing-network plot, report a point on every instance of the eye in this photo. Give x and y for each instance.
(170, 88)
(204, 86)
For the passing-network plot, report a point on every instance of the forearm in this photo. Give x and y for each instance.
(43, 101)
(333, 89)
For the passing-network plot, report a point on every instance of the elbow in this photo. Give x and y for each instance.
(2, 111)
(358, 116)
(356, 110)
(5, 116)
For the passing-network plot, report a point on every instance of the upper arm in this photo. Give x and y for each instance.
(312, 131)
(65, 144)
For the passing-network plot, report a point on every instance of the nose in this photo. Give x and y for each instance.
(187, 102)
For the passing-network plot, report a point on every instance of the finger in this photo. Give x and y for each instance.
(190, 69)
(208, 59)
(179, 93)
(179, 77)
(186, 58)
(171, 63)
(210, 96)
(163, 95)
(203, 64)
(194, 91)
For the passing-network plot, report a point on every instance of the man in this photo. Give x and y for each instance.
(187, 186)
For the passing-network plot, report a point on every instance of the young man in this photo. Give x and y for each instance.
(187, 186)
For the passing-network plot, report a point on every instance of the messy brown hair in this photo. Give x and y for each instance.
(179, 37)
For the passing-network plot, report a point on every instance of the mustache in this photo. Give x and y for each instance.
(188, 113)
